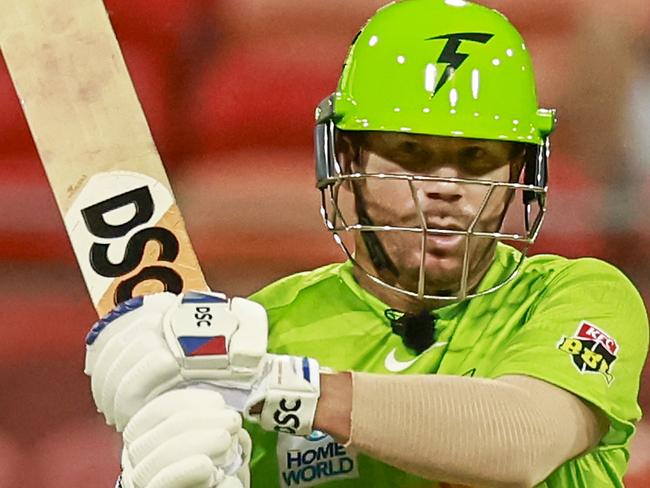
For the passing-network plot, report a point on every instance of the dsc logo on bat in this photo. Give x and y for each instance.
(126, 230)
(97, 224)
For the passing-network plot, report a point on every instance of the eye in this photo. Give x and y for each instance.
(410, 151)
(478, 161)
(408, 147)
(411, 155)
(473, 153)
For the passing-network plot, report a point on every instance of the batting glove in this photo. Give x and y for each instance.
(152, 344)
(186, 439)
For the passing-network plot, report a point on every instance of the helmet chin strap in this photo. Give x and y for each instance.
(378, 255)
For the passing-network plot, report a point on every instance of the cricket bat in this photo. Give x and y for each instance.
(97, 150)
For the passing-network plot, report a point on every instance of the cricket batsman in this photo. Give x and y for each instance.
(438, 354)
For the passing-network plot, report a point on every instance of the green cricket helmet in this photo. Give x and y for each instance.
(443, 68)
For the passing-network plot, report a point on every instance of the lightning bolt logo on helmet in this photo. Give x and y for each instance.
(450, 55)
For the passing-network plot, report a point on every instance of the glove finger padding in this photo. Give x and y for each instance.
(126, 478)
(152, 375)
(119, 341)
(191, 472)
(216, 444)
(167, 405)
(182, 424)
(230, 482)
(137, 313)
(194, 419)
(246, 445)
(119, 355)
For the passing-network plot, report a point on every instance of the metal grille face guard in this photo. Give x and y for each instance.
(531, 210)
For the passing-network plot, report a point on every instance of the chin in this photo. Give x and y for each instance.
(439, 284)
(444, 267)
(442, 274)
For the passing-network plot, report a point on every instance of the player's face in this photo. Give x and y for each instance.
(440, 204)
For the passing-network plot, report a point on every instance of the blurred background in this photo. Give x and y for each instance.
(229, 88)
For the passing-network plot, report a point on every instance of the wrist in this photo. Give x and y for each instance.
(334, 408)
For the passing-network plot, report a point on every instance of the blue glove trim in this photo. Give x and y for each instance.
(121, 309)
(305, 369)
(196, 297)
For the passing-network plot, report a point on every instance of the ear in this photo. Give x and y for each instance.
(517, 160)
(348, 149)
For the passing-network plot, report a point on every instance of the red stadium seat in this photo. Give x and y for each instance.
(571, 227)
(550, 16)
(172, 37)
(244, 19)
(263, 95)
(160, 24)
(14, 133)
(46, 340)
(31, 228)
(77, 455)
(12, 462)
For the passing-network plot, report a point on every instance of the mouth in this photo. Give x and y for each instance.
(446, 225)
(445, 243)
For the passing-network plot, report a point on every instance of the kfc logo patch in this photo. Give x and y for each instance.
(592, 350)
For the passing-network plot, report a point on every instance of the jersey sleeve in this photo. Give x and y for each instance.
(588, 334)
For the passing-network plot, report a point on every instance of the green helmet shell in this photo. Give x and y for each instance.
(441, 67)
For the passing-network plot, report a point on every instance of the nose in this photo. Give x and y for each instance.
(447, 191)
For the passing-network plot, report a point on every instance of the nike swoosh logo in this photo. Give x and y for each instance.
(391, 363)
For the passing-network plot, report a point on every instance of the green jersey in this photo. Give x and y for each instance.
(578, 324)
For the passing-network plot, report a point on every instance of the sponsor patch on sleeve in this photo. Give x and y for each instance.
(592, 350)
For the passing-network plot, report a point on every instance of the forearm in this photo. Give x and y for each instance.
(334, 410)
(508, 432)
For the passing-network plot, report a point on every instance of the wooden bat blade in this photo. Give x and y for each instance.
(97, 150)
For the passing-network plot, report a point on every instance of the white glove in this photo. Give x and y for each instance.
(289, 388)
(186, 439)
(148, 345)
(153, 344)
